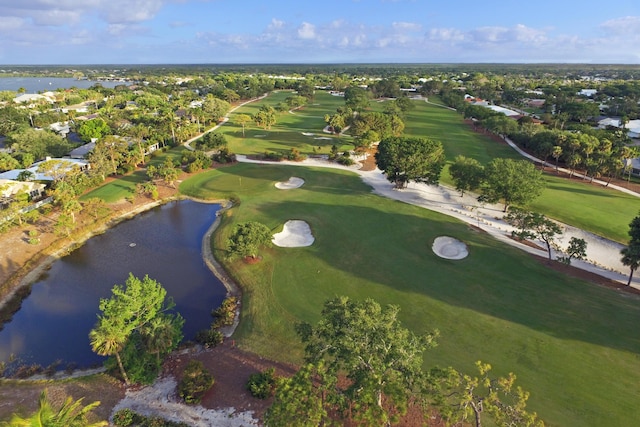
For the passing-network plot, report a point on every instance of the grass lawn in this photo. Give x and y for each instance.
(574, 345)
(125, 186)
(602, 211)
(287, 133)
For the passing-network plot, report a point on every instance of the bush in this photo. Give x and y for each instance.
(125, 418)
(128, 418)
(209, 338)
(295, 155)
(224, 156)
(275, 157)
(196, 380)
(262, 385)
(345, 160)
(226, 313)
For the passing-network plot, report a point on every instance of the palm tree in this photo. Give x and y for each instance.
(109, 340)
(70, 414)
(631, 258)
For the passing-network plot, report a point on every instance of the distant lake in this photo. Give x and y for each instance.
(165, 243)
(44, 84)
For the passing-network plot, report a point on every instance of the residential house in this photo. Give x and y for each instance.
(65, 166)
(9, 188)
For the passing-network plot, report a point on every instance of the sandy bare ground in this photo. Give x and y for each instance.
(160, 399)
(290, 184)
(449, 248)
(294, 234)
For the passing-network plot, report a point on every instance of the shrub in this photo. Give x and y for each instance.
(276, 157)
(125, 418)
(34, 241)
(196, 380)
(295, 155)
(226, 313)
(224, 156)
(262, 384)
(345, 160)
(209, 338)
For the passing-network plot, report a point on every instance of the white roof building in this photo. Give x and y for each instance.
(65, 165)
(31, 97)
(9, 188)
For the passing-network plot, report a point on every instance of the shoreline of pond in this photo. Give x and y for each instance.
(42, 261)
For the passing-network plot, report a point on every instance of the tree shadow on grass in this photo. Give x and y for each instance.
(386, 250)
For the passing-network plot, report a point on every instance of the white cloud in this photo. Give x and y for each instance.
(629, 25)
(406, 26)
(307, 31)
(445, 35)
(276, 24)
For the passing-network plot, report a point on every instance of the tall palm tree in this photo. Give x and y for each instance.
(108, 340)
(631, 258)
(70, 414)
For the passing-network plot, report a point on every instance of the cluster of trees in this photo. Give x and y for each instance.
(596, 152)
(368, 127)
(421, 160)
(136, 328)
(362, 366)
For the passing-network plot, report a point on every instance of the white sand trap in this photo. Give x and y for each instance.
(293, 182)
(322, 137)
(307, 133)
(449, 248)
(294, 234)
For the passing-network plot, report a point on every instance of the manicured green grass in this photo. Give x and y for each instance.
(287, 133)
(125, 186)
(448, 127)
(573, 345)
(602, 211)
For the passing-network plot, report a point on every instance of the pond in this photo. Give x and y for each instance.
(54, 321)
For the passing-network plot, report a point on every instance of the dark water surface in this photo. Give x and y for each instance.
(165, 243)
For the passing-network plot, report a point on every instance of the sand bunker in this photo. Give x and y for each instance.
(293, 182)
(294, 234)
(307, 133)
(449, 248)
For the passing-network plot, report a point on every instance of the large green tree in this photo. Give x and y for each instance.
(247, 238)
(410, 159)
(367, 343)
(512, 182)
(265, 117)
(467, 174)
(94, 128)
(138, 313)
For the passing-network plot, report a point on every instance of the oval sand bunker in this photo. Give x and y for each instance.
(294, 234)
(449, 248)
(293, 182)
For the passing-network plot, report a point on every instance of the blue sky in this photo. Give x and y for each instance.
(308, 31)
